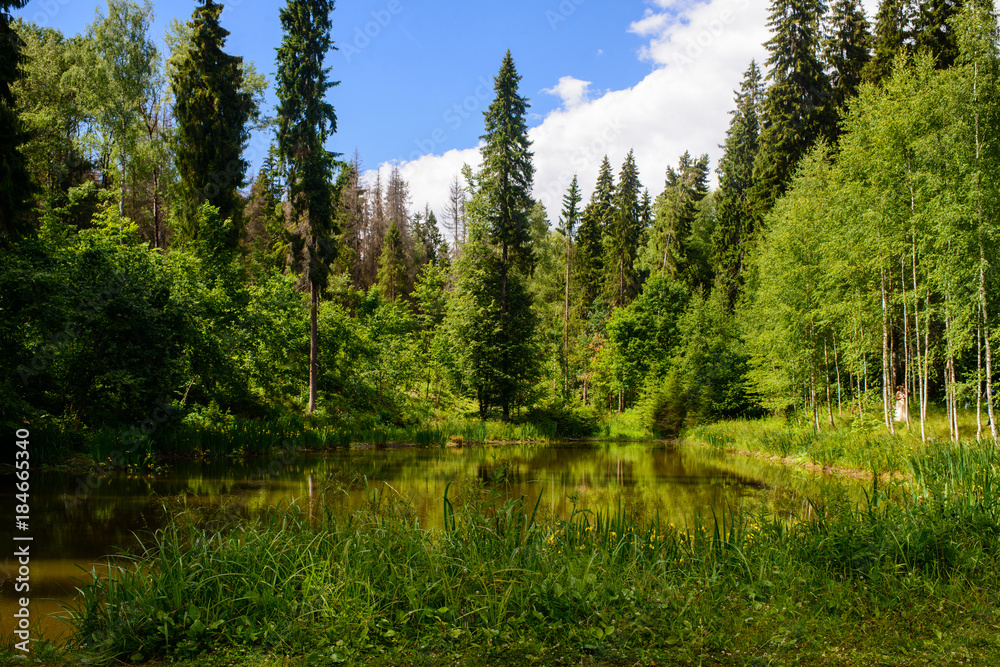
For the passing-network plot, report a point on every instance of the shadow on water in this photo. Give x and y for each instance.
(74, 530)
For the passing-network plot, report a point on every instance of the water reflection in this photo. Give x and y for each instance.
(675, 485)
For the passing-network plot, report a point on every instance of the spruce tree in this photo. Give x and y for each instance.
(893, 34)
(212, 111)
(498, 325)
(305, 122)
(590, 238)
(15, 185)
(569, 219)
(736, 218)
(621, 237)
(847, 49)
(933, 32)
(392, 272)
(797, 109)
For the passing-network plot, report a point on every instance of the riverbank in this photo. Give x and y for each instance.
(905, 577)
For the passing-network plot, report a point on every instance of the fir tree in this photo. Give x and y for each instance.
(736, 219)
(590, 238)
(621, 237)
(893, 34)
(15, 185)
(213, 111)
(305, 121)
(797, 104)
(847, 49)
(497, 322)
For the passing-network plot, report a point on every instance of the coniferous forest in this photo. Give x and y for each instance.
(833, 280)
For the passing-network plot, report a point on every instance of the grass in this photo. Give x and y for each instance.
(865, 447)
(906, 576)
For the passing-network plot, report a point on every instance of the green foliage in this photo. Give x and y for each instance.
(305, 122)
(669, 250)
(934, 32)
(493, 312)
(621, 237)
(796, 110)
(736, 219)
(15, 186)
(639, 340)
(846, 50)
(213, 109)
(707, 374)
(393, 270)
(595, 221)
(892, 37)
(115, 77)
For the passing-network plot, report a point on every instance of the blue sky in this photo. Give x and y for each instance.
(603, 76)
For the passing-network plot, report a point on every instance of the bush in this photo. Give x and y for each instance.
(565, 421)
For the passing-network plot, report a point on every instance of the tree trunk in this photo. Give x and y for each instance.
(313, 343)
(826, 372)
(156, 208)
(907, 368)
(886, 389)
(979, 381)
(836, 365)
(989, 345)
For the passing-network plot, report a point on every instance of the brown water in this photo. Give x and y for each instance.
(73, 531)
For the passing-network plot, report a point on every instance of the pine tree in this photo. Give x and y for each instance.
(797, 108)
(847, 49)
(15, 185)
(213, 111)
(621, 237)
(305, 121)
(497, 323)
(666, 251)
(590, 238)
(736, 220)
(933, 32)
(893, 34)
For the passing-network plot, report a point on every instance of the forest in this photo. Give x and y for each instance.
(845, 258)
(183, 336)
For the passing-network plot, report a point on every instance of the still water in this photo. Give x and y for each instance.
(77, 520)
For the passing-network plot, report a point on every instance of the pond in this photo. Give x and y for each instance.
(77, 520)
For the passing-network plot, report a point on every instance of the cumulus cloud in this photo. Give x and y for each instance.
(699, 50)
(572, 91)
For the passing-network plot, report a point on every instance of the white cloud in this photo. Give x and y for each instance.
(570, 90)
(700, 50)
